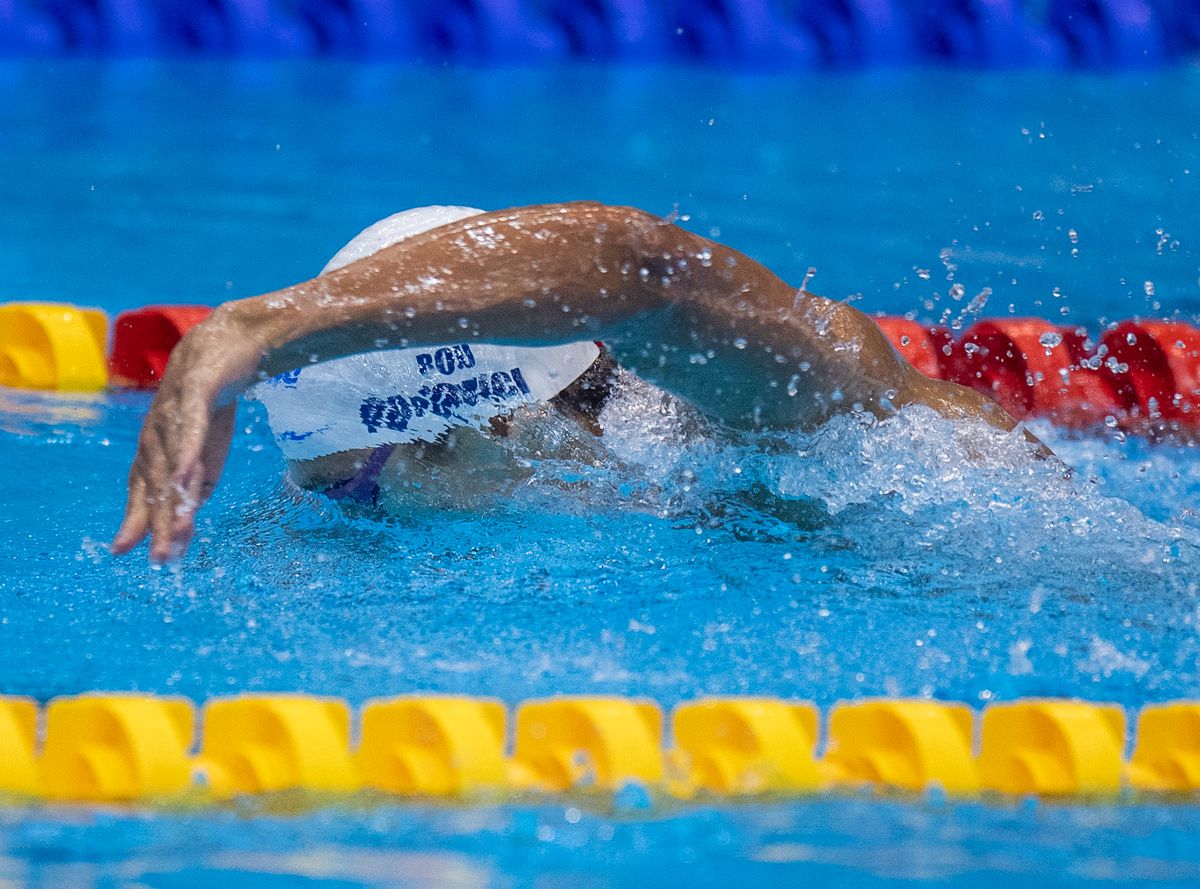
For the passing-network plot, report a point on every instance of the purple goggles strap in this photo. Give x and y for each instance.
(363, 486)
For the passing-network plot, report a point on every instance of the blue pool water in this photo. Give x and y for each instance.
(852, 562)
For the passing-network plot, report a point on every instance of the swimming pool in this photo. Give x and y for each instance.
(817, 566)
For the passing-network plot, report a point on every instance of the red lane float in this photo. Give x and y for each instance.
(1156, 366)
(1144, 376)
(143, 340)
(927, 348)
(1035, 368)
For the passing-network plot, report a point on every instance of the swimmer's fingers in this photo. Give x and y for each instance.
(216, 446)
(173, 521)
(189, 489)
(180, 481)
(148, 466)
(201, 464)
(137, 516)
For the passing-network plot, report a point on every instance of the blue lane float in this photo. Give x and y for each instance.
(742, 34)
(1110, 33)
(986, 34)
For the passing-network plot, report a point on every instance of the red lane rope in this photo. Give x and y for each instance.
(1141, 376)
(143, 340)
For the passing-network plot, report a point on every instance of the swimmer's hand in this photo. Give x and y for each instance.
(185, 436)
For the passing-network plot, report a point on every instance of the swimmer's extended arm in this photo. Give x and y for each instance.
(691, 315)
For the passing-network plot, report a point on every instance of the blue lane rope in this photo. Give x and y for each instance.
(743, 34)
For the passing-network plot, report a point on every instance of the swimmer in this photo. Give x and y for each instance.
(449, 330)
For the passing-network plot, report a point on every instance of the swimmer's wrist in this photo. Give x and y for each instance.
(232, 343)
(280, 332)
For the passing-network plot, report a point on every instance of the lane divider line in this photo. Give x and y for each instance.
(1140, 376)
(100, 747)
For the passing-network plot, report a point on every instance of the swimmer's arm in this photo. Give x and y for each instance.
(694, 316)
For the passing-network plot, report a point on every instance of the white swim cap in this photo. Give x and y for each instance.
(417, 394)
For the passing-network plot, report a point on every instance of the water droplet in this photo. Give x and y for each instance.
(1050, 339)
(978, 301)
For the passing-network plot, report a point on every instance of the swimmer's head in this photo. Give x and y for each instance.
(581, 401)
